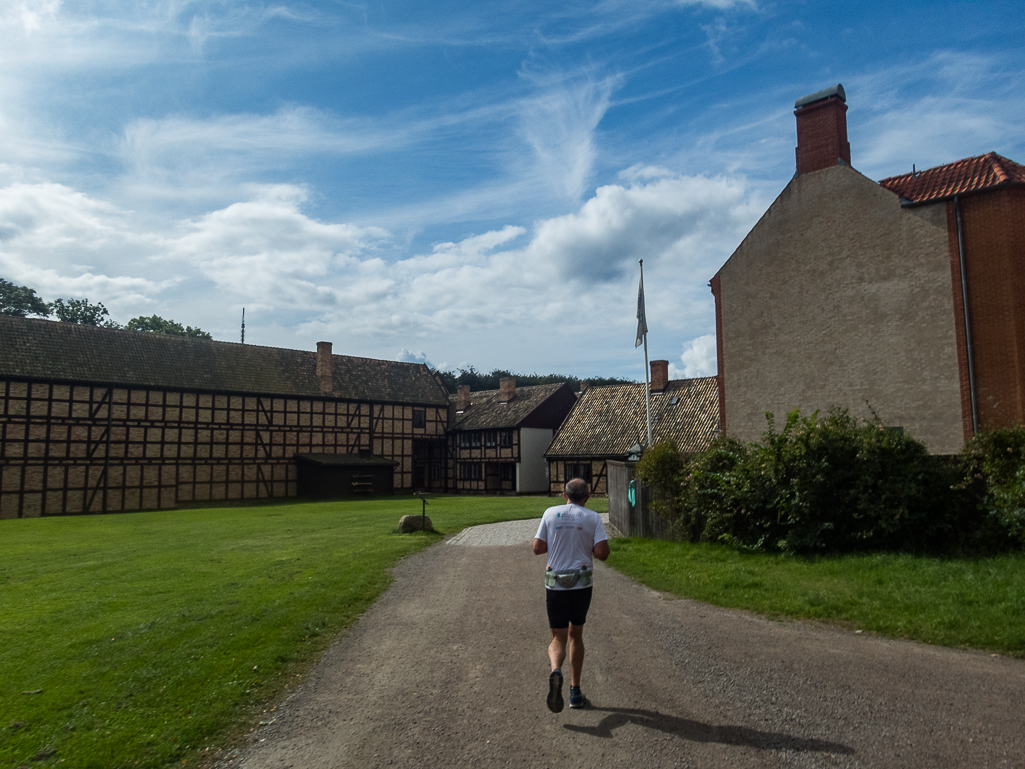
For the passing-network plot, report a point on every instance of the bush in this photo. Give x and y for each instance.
(993, 464)
(816, 486)
(839, 486)
(713, 491)
(660, 469)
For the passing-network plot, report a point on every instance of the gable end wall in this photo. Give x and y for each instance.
(841, 297)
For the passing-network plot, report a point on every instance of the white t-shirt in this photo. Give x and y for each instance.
(571, 532)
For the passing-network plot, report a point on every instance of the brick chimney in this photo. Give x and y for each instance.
(325, 374)
(659, 375)
(506, 389)
(822, 130)
(584, 385)
(462, 397)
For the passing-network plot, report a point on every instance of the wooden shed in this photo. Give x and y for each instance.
(628, 504)
(330, 476)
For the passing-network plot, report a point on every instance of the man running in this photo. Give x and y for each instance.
(570, 534)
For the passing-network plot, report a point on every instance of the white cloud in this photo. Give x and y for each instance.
(234, 143)
(65, 243)
(679, 219)
(268, 253)
(504, 295)
(27, 16)
(408, 356)
(548, 301)
(559, 124)
(935, 110)
(699, 359)
(716, 32)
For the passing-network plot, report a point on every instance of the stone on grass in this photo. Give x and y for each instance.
(408, 523)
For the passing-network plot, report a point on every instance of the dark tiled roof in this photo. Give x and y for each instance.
(331, 460)
(607, 421)
(969, 175)
(486, 413)
(66, 352)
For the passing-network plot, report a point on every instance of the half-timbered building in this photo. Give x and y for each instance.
(498, 437)
(607, 422)
(95, 420)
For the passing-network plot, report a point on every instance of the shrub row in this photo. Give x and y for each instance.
(835, 484)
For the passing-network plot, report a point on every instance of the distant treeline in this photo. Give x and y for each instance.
(479, 381)
(22, 301)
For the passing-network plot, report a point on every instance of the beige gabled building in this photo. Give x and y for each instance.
(850, 292)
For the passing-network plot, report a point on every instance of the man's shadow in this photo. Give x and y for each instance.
(699, 732)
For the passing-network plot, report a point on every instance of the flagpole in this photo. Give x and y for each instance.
(647, 382)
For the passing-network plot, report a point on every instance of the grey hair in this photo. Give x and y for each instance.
(577, 490)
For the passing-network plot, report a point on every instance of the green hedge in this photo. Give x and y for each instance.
(993, 463)
(836, 484)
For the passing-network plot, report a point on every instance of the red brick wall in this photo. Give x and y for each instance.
(964, 374)
(716, 286)
(822, 135)
(993, 227)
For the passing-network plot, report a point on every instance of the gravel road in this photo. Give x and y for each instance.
(449, 669)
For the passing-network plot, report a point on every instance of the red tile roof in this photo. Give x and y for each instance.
(968, 175)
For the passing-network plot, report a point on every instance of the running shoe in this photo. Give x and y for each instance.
(576, 697)
(555, 692)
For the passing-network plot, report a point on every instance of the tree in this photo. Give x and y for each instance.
(82, 312)
(478, 381)
(21, 301)
(154, 324)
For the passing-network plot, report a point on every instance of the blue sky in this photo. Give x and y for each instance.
(456, 182)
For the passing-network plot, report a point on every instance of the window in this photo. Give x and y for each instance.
(419, 418)
(469, 471)
(490, 439)
(435, 472)
(508, 471)
(469, 440)
(578, 470)
(505, 437)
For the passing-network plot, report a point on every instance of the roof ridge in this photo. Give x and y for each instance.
(69, 352)
(972, 174)
(1005, 167)
(942, 166)
(158, 338)
(518, 387)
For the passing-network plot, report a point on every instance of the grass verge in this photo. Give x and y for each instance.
(948, 602)
(142, 640)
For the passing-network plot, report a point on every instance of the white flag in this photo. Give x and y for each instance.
(642, 324)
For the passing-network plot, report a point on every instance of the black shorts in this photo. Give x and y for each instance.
(567, 607)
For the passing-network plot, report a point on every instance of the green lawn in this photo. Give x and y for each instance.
(950, 602)
(143, 639)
